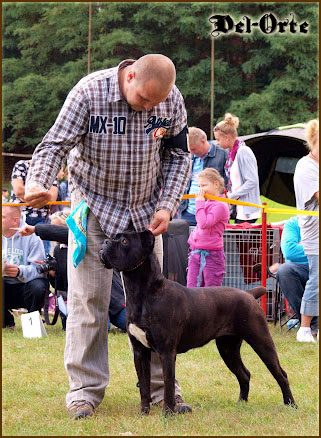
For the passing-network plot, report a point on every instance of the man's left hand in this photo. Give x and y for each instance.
(160, 222)
(10, 270)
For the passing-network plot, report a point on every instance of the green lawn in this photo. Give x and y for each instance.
(34, 385)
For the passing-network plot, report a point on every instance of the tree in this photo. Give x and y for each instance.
(267, 80)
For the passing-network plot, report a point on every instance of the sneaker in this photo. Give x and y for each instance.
(292, 323)
(303, 336)
(80, 409)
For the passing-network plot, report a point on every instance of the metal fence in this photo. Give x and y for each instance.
(243, 250)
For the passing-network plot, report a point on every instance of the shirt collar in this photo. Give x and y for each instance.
(114, 91)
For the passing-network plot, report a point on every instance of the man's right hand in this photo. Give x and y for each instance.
(26, 230)
(36, 196)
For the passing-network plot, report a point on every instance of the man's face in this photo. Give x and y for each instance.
(200, 148)
(144, 96)
(8, 220)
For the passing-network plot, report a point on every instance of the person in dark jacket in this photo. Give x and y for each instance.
(58, 233)
(205, 154)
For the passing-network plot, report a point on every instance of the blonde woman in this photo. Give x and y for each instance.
(306, 186)
(241, 169)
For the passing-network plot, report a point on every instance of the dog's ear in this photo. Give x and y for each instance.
(148, 239)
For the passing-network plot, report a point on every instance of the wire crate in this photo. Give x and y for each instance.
(243, 250)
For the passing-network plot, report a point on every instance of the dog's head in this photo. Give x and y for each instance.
(127, 250)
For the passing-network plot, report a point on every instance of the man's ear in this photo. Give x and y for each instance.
(131, 75)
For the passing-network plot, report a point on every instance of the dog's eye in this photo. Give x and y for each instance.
(124, 242)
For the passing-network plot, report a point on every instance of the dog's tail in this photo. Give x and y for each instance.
(257, 292)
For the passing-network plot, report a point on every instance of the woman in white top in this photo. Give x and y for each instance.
(241, 169)
(306, 186)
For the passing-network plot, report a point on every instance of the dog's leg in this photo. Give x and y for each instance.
(229, 349)
(142, 364)
(168, 362)
(262, 343)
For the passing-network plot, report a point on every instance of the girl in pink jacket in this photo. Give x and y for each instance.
(206, 262)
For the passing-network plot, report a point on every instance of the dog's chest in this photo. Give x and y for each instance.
(139, 334)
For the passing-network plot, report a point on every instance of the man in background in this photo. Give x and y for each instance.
(205, 154)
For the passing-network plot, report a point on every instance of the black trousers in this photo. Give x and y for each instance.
(30, 295)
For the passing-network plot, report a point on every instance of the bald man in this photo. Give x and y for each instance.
(125, 130)
(22, 285)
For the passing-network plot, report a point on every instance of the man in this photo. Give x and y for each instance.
(22, 285)
(294, 273)
(125, 131)
(205, 154)
(33, 215)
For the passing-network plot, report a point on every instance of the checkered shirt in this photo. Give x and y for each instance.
(115, 155)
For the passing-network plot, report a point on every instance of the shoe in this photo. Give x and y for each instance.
(303, 336)
(180, 406)
(80, 409)
(292, 323)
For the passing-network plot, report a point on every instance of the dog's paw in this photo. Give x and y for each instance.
(144, 410)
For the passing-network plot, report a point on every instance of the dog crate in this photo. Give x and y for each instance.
(243, 251)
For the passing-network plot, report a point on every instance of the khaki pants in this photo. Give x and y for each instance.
(86, 351)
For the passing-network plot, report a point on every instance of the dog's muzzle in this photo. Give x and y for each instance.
(103, 258)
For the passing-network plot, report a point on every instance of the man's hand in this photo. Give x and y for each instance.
(36, 196)
(10, 270)
(26, 230)
(160, 222)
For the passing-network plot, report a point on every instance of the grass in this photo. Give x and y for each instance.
(35, 383)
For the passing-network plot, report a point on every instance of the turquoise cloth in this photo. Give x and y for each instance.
(77, 222)
(203, 253)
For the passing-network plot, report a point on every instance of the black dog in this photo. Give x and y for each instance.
(168, 318)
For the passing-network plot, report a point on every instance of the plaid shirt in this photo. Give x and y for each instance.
(115, 155)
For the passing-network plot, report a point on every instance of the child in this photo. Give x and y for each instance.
(206, 255)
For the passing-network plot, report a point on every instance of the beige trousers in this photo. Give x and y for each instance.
(86, 350)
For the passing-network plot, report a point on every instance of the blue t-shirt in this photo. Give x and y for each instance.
(198, 165)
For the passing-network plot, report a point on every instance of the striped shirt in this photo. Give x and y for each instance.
(115, 155)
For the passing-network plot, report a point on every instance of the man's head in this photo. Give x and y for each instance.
(148, 81)
(198, 143)
(10, 219)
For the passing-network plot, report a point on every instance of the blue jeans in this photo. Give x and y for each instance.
(189, 217)
(310, 299)
(292, 278)
(119, 320)
(40, 220)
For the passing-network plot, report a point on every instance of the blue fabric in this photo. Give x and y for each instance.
(77, 222)
(203, 253)
(310, 299)
(291, 247)
(198, 165)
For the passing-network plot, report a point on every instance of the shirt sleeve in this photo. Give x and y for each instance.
(176, 164)
(19, 171)
(70, 125)
(249, 173)
(215, 214)
(290, 243)
(29, 271)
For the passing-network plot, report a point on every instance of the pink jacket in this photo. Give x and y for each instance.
(211, 218)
